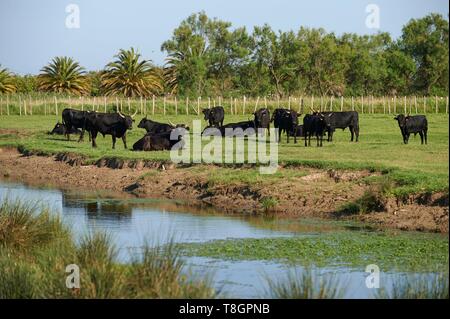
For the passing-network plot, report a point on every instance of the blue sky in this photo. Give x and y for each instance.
(32, 32)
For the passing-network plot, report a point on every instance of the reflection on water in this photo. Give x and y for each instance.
(133, 221)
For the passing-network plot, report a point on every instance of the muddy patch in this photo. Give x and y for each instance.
(317, 193)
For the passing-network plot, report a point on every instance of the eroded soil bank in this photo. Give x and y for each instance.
(300, 192)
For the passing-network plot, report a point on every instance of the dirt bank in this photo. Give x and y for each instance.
(314, 193)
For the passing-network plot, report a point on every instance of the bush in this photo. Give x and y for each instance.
(35, 249)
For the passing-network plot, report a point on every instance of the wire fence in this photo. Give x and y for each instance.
(25, 105)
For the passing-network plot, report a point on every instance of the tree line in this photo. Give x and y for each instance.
(208, 57)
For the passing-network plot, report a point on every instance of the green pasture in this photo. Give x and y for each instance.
(414, 167)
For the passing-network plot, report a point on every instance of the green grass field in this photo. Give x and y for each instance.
(414, 167)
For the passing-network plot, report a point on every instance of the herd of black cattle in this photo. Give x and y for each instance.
(158, 136)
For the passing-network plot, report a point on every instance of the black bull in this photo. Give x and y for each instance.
(114, 124)
(158, 128)
(60, 129)
(73, 120)
(214, 116)
(162, 141)
(342, 120)
(413, 124)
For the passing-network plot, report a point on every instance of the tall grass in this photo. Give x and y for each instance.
(305, 284)
(25, 225)
(418, 286)
(35, 248)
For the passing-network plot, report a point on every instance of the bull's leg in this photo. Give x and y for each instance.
(268, 129)
(114, 141)
(421, 137)
(81, 136)
(357, 133)
(287, 136)
(279, 135)
(124, 139)
(94, 136)
(425, 133)
(306, 136)
(352, 132)
(295, 136)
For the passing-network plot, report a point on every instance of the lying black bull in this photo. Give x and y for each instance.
(413, 124)
(342, 120)
(240, 129)
(75, 119)
(262, 119)
(158, 128)
(287, 121)
(114, 124)
(161, 141)
(214, 116)
(60, 129)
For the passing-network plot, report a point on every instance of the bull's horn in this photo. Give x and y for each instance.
(134, 114)
(121, 115)
(170, 122)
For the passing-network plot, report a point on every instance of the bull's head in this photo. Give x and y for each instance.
(401, 119)
(58, 129)
(208, 113)
(294, 117)
(128, 120)
(142, 122)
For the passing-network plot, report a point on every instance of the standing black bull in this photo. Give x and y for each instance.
(342, 120)
(287, 121)
(413, 124)
(262, 119)
(314, 124)
(75, 119)
(156, 127)
(114, 124)
(214, 116)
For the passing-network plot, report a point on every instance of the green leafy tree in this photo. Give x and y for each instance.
(426, 41)
(26, 84)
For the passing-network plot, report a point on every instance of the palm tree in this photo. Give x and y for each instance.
(63, 75)
(6, 82)
(171, 71)
(130, 76)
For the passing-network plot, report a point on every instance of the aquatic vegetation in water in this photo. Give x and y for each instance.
(405, 252)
